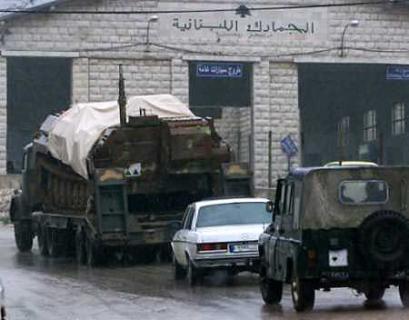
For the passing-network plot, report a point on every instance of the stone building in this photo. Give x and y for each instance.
(328, 73)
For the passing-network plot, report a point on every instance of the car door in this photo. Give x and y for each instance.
(180, 240)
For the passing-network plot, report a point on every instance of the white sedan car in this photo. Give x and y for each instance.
(219, 234)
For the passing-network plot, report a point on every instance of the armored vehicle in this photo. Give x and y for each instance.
(94, 184)
(337, 227)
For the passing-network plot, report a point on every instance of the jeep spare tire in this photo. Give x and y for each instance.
(383, 237)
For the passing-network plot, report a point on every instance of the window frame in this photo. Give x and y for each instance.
(370, 126)
(364, 203)
(398, 117)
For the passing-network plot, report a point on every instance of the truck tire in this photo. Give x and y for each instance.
(23, 235)
(93, 253)
(271, 290)
(404, 293)
(42, 240)
(80, 250)
(55, 242)
(303, 295)
(383, 237)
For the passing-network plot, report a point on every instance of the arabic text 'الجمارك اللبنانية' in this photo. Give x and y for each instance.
(233, 26)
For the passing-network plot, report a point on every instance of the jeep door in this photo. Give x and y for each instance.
(284, 239)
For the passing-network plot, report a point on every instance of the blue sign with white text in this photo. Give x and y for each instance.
(397, 73)
(219, 70)
(288, 146)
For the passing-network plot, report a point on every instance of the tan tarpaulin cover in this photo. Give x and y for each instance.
(322, 209)
(78, 128)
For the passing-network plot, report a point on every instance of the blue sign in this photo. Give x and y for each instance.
(219, 70)
(397, 73)
(288, 146)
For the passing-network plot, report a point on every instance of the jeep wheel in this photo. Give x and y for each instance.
(374, 293)
(178, 271)
(192, 273)
(23, 235)
(303, 295)
(271, 290)
(404, 293)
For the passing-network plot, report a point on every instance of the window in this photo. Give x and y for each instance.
(363, 192)
(343, 132)
(233, 214)
(398, 119)
(370, 126)
(219, 84)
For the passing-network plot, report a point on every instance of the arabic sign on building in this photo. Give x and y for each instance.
(295, 24)
(397, 73)
(219, 70)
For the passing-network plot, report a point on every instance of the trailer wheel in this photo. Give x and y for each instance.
(23, 235)
(80, 250)
(55, 244)
(92, 253)
(42, 240)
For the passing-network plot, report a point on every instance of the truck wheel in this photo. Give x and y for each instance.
(303, 295)
(42, 240)
(178, 271)
(54, 244)
(80, 250)
(23, 235)
(404, 293)
(192, 273)
(92, 253)
(271, 290)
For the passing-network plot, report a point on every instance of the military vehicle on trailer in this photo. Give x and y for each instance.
(97, 181)
(337, 227)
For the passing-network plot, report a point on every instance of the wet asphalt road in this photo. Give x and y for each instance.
(40, 288)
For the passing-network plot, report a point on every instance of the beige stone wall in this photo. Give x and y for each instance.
(98, 43)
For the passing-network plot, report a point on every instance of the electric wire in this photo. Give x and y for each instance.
(49, 11)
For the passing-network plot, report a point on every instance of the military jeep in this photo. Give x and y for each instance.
(337, 227)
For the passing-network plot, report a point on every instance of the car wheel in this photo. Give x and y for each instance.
(374, 293)
(404, 293)
(271, 290)
(23, 235)
(303, 295)
(178, 271)
(192, 273)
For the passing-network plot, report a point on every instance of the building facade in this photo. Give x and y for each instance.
(326, 73)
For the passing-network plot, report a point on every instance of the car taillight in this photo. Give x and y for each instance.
(206, 247)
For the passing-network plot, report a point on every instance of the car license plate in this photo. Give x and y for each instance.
(244, 247)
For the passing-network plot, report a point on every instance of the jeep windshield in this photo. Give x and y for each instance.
(356, 192)
(233, 214)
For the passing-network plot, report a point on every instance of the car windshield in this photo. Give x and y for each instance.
(363, 192)
(233, 214)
